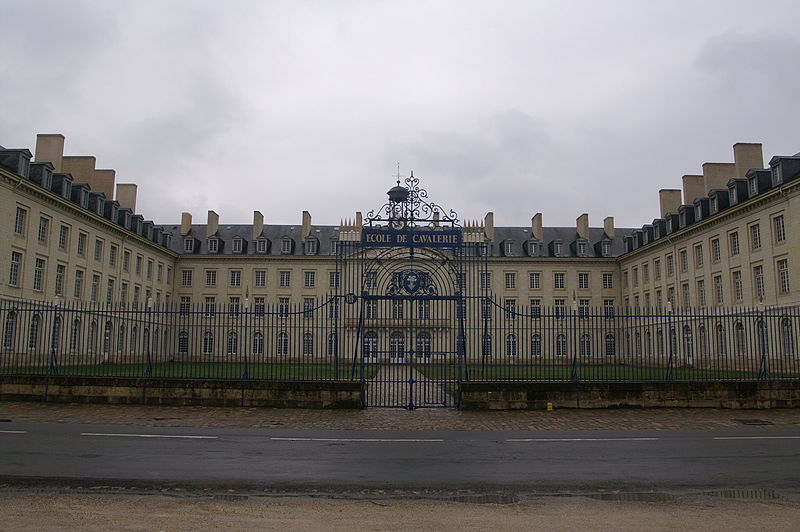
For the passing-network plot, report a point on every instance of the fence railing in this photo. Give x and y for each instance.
(325, 340)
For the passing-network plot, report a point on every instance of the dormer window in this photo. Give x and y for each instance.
(47, 178)
(656, 233)
(167, 239)
(188, 245)
(483, 250)
(261, 245)
(582, 248)
(752, 185)
(236, 245)
(508, 248)
(66, 191)
(335, 247)
(24, 165)
(286, 246)
(558, 248)
(698, 212)
(310, 246)
(605, 247)
(533, 248)
(713, 205)
(213, 245)
(732, 195)
(777, 175)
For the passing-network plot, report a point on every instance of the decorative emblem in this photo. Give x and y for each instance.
(397, 223)
(411, 282)
(350, 298)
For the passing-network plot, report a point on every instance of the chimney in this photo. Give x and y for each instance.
(258, 224)
(488, 222)
(126, 195)
(582, 225)
(693, 187)
(669, 200)
(359, 221)
(81, 167)
(608, 226)
(716, 175)
(306, 229)
(186, 223)
(212, 226)
(50, 147)
(103, 181)
(536, 226)
(746, 155)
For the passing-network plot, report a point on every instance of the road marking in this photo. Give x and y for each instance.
(369, 440)
(13, 431)
(126, 435)
(757, 438)
(517, 440)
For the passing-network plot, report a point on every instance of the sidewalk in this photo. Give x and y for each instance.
(397, 419)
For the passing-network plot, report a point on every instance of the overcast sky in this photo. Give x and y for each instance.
(515, 107)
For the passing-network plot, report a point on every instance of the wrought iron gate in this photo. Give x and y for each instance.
(405, 274)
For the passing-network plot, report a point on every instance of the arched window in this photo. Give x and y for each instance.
(56, 339)
(424, 345)
(233, 343)
(333, 344)
(561, 345)
(107, 338)
(208, 343)
(155, 342)
(134, 338)
(739, 338)
(611, 345)
(75, 335)
(536, 345)
(9, 330)
(688, 344)
(258, 344)
(370, 344)
(486, 345)
(282, 347)
(722, 344)
(183, 342)
(120, 337)
(703, 341)
(308, 343)
(787, 337)
(92, 340)
(660, 340)
(648, 343)
(33, 332)
(397, 345)
(586, 345)
(763, 339)
(511, 345)
(638, 343)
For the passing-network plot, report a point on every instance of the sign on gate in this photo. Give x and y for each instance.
(426, 238)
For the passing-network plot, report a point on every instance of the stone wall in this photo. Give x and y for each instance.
(533, 396)
(317, 394)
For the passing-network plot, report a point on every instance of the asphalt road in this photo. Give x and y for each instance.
(538, 461)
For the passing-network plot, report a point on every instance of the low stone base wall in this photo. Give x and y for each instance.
(281, 394)
(536, 395)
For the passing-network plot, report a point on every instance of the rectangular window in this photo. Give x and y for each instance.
(259, 305)
(126, 261)
(625, 279)
(61, 271)
(511, 309)
(511, 280)
(733, 243)
(635, 276)
(82, 237)
(671, 295)
(736, 278)
(261, 245)
(38, 274)
(371, 279)
(701, 293)
(139, 259)
(397, 309)
(583, 308)
(63, 237)
(186, 277)
(159, 272)
(185, 305)
(670, 266)
(333, 279)
(261, 278)
(755, 237)
(684, 258)
(645, 273)
(123, 293)
(78, 289)
(780, 229)
(719, 295)
(486, 280)
(608, 308)
(608, 281)
(309, 279)
(44, 225)
(286, 246)
(112, 255)
(560, 308)
(236, 278)
(758, 280)
(687, 301)
(583, 281)
(558, 281)
(698, 256)
(657, 269)
(371, 309)
(16, 263)
(237, 245)
(715, 250)
(98, 250)
(110, 291)
(149, 270)
(188, 245)
(211, 277)
(333, 308)
(213, 245)
(534, 278)
(536, 308)
(783, 276)
(308, 307)
(95, 291)
(284, 278)
(210, 305)
(19, 221)
(234, 305)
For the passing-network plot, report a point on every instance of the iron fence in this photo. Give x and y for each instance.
(478, 339)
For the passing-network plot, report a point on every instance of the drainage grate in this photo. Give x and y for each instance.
(635, 497)
(754, 421)
(759, 494)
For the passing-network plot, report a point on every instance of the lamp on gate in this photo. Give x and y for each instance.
(669, 306)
